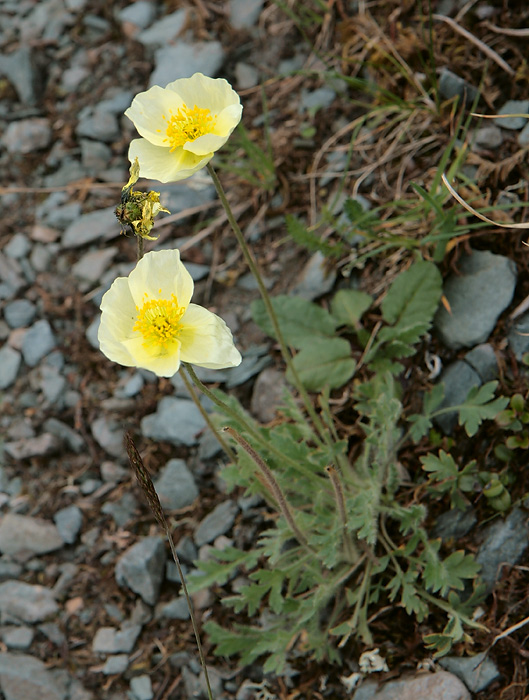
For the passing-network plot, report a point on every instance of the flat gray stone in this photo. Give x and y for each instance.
(39, 446)
(244, 13)
(458, 379)
(65, 433)
(19, 313)
(68, 521)
(121, 511)
(451, 85)
(489, 137)
(141, 568)
(38, 341)
(141, 688)
(109, 436)
(140, 13)
(175, 609)
(177, 421)
(91, 265)
(165, 30)
(518, 337)
(20, 69)
(10, 361)
(317, 278)
(477, 296)
(98, 225)
(18, 637)
(115, 664)
(23, 677)
(434, 686)
(183, 60)
(505, 541)
(216, 523)
(454, 523)
(27, 135)
(109, 640)
(18, 247)
(483, 360)
(176, 486)
(477, 672)
(514, 107)
(98, 124)
(267, 394)
(22, 533)
(22, 601)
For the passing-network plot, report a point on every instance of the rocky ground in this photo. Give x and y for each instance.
(90, 605)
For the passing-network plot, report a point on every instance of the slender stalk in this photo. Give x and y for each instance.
(140, 247)
(145, 482)
(272, 484)
(267, 444)
(268, 305)
(227, 449)
(350, 549)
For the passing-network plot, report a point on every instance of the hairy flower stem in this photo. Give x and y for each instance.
(140, 247)
(145, 482)
(350, 549)
(272, 484)
(227, 449)
(267, 444)
(269, 307)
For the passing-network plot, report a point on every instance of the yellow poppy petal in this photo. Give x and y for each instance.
(207, 340)
(160, 274)
(158, 163)
(148, 110)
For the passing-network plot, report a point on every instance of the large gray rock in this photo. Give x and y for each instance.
(176, 486)
(476, 672)
(477, 296)
(458, 379)
(22, 533)
(434, 686)
(504, 543)
(141, 568)
(96, 226)
(24, 677)
(22, 601)
(176, 420)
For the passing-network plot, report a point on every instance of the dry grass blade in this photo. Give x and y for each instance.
(464, 204)
(477, 42)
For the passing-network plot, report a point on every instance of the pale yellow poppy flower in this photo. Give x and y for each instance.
(148, 321)
(182, 125)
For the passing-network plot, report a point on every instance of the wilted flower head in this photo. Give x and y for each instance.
(138, 209)
(148, 321)
(182, 125)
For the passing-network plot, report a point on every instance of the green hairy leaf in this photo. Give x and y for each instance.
(348, 306)
(300, 320)
(479, 406)
(309, 240)
(324, 362)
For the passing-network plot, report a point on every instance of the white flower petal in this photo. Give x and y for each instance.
(147, 113)
(214, 94)
(158, 163)
(207, 340)
(117, 320)
(159, 275)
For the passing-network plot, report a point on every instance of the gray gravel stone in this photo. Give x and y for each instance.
(518, 337)
(68, 521)
(454, 523)
(100, 225)
(27, 135)
(482, 358)
(9, 365)
(504, 543)
(451, 85)
(38, 341)
(91, 265)
(22, 533)
(434, 686)
(316, 278)
(523, 136)
(141, 688)
(244, 13)
(267, 394)
(489, 137)
(98, 124)
(16, 637)
(109, 640)
(121, 511)
(514, 107)
(458, 379)
(66, 434)
(477, 296)
(176, 486)
(141, 568)
(140, 13)
(477, 672)
(216, 523)
(39, 446)
(24, 677)
(183, 60)
(176, 420)
(165, 30)
(115, 664)
(109, 436)
(19, 313)
(22, 601)
(18, 247)
(175, 609)
(20, 69)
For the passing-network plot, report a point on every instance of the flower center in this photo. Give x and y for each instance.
(187, 125)
(158, 321)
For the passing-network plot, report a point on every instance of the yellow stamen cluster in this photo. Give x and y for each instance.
(187, 125)
(158, 321)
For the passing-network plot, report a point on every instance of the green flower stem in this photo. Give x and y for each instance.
(227, 449)
(267, 444)
(269, 307)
